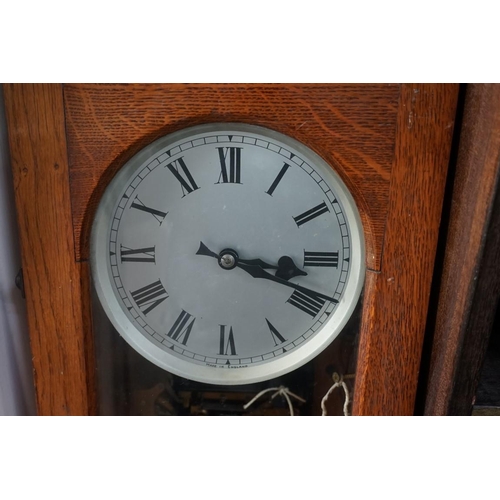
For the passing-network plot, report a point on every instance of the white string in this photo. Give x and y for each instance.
(339, 382)
(282, 391)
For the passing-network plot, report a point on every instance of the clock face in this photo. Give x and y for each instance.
(227, 253)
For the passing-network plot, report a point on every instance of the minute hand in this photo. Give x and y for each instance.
(258, 272)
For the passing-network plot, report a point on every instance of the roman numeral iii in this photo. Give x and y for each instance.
(230, 165)
(309, 304)
(181, 330)
(149, 296)
(183, 175)
(321, 259)
(137, 254)
(226, 346)
(311, 214)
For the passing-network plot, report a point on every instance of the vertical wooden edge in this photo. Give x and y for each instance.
(395, 308)
(469, 282)
(88, 335)
(54, 295)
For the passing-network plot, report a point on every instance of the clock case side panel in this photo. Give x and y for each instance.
(397, 298)
(56, 294)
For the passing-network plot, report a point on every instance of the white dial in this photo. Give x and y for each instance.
(227, 253)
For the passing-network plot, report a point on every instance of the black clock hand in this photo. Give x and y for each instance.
(204, 250)
(258, 262)
(254, 267)
(258, 272)
(287, 269)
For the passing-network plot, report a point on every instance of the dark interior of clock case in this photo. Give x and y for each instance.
(129, 384)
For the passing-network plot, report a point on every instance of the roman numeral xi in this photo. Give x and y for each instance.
(183, 175)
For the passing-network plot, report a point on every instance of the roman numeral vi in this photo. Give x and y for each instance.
(226, 347)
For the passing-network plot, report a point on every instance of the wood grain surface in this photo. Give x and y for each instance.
(54, 299)
(469, 286)
(396, 299)
(351, 126)
(390, 144)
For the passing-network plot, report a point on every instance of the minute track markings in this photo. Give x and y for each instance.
(287, 156)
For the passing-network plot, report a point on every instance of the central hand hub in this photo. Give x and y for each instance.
(228, 259)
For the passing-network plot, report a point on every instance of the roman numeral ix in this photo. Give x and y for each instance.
(309, 304)
(178, 168)
(321, 259)
(137, 254)
(233, 173)
(226, 346)
(311, 214)
(149, 296)
(181, 330)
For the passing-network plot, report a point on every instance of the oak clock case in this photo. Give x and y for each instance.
(225, 254)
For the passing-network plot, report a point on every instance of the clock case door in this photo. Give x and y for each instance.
(389, 143)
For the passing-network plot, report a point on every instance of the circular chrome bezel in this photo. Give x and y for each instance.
(102, 278)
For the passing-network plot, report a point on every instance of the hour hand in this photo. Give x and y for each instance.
(204, 250)
(258, 262)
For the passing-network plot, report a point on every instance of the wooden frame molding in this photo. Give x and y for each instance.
(401, 195)
(469, 287)
(54, 300)
(396, 299)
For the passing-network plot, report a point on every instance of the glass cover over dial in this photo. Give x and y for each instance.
(227, 253)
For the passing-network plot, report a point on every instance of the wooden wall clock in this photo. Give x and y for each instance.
(118, 182)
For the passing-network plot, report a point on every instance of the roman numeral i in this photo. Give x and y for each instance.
(276, 181)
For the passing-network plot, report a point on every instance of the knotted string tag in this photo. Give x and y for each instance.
(338, 382)
(279, 391)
